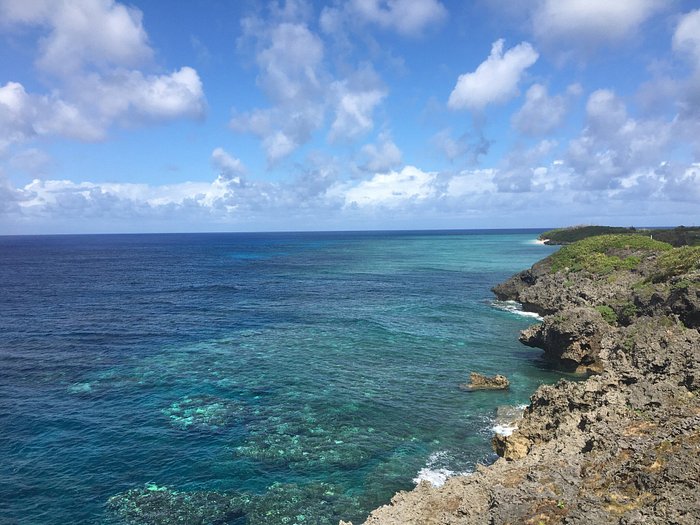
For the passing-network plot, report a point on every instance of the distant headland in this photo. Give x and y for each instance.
(678, 236)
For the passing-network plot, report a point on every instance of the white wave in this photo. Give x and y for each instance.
(504, 430)
(540, 242)
(516, 308)
(433, 473)
(436, 477)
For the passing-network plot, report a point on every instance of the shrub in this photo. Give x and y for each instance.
(677, 262)
(608, 314)
(595, 254)
(629, 309)
(576, 233)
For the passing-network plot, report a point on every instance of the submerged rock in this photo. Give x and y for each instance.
(307, 439)
(203, 413)
(154, 505)
(281, 504)
(482, 382)
(291, 504)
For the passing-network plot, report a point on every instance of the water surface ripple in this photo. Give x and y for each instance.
(260, 364)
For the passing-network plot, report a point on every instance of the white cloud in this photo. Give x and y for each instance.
(393, 189)
(86, 51)
(527, 169)
(16, 115)
(355, 100)
(495, 80)
(686, 38)
(32, 161)
(591, 22)
(548, 189)
(472, 182)
(228, 167)
(614, 145)
(408, 17)
(542, 113)
(289, 63)
(381, 157)
(683, 182)
(290, 60)
(453, 148)
(100, 33)
(24, 116)
(354, 112)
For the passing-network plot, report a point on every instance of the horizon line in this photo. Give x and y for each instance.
(388, 230)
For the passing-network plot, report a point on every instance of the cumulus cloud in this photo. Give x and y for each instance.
(686, 38)
(382, 156)
(290, 59)
(614, 145)
(355, 100)
(495, 80)
(682, 182)
(463, 146)
(87, 50)
(24, 116)
(542, 113)
(526, 185)
(227, 166)
(591, 22)
(100, 33)
(392, 189)
(301, 89)
(407, 17)
(32, 161)
(528, 170)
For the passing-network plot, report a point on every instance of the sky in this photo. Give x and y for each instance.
(204, 115)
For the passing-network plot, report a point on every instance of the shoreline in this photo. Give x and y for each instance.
(623, 445)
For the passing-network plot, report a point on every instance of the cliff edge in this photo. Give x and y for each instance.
(623, 445)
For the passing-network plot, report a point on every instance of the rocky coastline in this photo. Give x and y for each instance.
(620, 445)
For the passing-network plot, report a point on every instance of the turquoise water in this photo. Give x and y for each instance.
(258, 365)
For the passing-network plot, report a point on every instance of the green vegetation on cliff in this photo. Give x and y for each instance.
(577, 233)
(676, 262)
(679, 236)
(604, 254)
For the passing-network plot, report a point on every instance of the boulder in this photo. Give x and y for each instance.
(481, 382)
(571, 339)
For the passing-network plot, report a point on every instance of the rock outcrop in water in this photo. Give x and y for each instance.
(622, 446)
(479, 381)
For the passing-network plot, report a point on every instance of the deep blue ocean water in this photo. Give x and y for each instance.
(232, 362)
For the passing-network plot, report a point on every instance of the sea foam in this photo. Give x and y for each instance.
(504, 430)
(516, 308)
(433, 473)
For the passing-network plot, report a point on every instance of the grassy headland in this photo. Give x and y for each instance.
(679, 236)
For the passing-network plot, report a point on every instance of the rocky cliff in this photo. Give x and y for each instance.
(623, 445)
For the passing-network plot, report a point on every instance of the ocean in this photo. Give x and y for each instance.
(312, 374)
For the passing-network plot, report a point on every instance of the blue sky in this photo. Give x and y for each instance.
(152, 116)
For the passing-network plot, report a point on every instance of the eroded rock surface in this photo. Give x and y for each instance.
(481, 382)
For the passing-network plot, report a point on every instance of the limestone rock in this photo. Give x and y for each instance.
(572, 339)
(621, 446)
(482, 382)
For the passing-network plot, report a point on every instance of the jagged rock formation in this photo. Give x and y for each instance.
(622, 446)
(479, 381)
